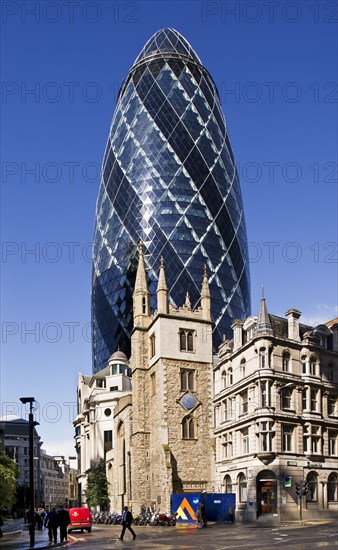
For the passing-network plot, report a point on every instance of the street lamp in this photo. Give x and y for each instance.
(31, 400)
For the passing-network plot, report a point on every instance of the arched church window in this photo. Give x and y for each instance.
(186, 340)
(188, 428)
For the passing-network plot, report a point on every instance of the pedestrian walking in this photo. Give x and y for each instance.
(127, 519)
(198, 516)
(43, 515)
(203, 515)
(38, 520)
(230, 515)
(52, 523)
(64, 521)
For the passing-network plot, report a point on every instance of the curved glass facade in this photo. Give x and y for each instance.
(168, 178)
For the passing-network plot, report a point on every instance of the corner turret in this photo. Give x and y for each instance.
(263, 325)
(205, 296)
(162, 291)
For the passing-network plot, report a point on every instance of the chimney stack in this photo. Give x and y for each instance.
(237, 327)
(293, 323)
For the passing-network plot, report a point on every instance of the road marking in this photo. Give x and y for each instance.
(76, 539)
(318, 522)
(245, 545)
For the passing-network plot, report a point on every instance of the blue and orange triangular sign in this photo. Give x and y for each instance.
(183, 508)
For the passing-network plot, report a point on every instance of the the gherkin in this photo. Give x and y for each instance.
(168, 178)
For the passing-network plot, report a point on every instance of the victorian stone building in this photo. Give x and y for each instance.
(276, 417)
(97, 398)
(55, 481)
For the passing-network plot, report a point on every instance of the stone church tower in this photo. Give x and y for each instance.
(172, 363)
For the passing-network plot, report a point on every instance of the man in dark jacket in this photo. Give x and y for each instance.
(204, 515)
(52, 522)
(64, 521)
(127, 519)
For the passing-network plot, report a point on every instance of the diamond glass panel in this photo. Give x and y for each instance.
(168, 178)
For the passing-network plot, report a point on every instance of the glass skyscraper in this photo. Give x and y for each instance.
(168, 178)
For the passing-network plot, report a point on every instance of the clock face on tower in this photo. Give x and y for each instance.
(188, 401)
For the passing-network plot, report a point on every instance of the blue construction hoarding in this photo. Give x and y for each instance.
(217, 505)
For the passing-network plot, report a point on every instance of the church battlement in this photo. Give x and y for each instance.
(182, 311)
(142, 316)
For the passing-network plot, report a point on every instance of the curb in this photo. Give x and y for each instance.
(39, 545)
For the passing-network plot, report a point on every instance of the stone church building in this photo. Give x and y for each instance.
(172, 365)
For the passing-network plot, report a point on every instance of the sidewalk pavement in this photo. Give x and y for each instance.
(16, 537)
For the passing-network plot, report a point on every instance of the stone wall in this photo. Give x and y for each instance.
(164, 462)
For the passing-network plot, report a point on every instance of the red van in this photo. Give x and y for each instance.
(80, 518)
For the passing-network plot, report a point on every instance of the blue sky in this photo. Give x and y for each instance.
(275, 66)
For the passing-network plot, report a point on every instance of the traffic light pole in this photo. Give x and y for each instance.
(301, 490)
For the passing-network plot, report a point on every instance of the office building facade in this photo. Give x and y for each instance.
(169, 179)
(15, 433)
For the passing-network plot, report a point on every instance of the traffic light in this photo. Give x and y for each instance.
(297, 487)
(305, 487)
